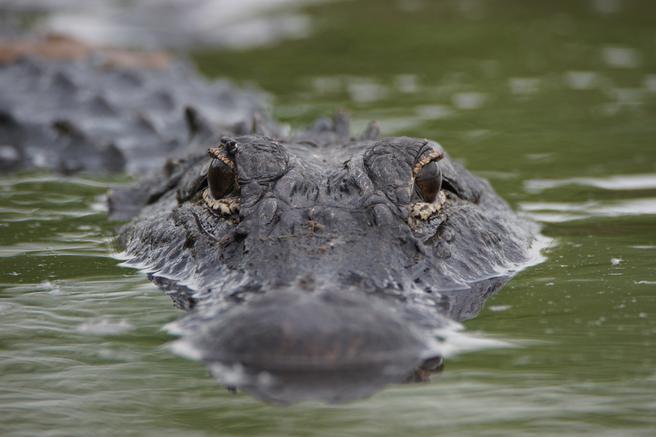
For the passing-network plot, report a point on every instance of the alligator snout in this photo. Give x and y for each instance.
(293, 344)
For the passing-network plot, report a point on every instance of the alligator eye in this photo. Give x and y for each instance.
(428, 182)
(220, 178)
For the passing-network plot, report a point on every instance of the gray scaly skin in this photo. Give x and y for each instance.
(318, 277)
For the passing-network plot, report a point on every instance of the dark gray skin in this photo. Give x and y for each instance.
(320, 285)
(94, 114)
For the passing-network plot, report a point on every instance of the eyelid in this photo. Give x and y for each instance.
(432, 156)
(219, 153)
(214, 152)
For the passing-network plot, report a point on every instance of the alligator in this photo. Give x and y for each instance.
(71, 107)
(313, 265)
(320, 265)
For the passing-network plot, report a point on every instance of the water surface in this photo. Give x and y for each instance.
(554, 102)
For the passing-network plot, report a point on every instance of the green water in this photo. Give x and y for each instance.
(554, 102)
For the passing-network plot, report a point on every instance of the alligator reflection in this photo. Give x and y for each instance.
(295, 347)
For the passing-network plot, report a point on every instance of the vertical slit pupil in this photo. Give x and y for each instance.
(220, 178)
(428, 182)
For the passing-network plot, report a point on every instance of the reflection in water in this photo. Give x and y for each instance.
(560, 212)
(291, 346)
(621, 57)
(619, 182)
(581, 80)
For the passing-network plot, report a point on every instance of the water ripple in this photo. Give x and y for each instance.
(558, 212)
(618, 182)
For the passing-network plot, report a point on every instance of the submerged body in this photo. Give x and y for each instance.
(71, 107)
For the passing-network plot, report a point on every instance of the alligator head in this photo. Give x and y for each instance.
(320, 266)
